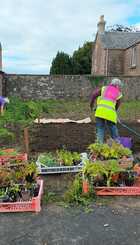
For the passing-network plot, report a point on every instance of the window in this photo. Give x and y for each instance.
(133, 57)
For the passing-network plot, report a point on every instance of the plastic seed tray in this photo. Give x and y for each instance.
(34, 205)
(43, 169)
(118, 191)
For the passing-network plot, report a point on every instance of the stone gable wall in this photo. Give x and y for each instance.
(115, 62)
(128, 69)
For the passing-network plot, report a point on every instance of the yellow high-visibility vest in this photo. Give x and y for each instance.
(106, 108)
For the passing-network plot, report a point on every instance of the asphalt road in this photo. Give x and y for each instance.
(114, 222)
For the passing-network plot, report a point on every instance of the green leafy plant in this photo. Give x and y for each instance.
(48, 159)
(99, 168)
(104, 151)
(67, 158)
(2, 192)
(75, 195)
(95, 149)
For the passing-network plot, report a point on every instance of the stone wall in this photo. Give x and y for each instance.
(128, 69)
(45, 86)
(115, 62)
(68, 86)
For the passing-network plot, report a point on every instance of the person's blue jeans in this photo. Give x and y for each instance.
(101, 127)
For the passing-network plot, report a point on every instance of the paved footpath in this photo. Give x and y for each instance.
(113, 223)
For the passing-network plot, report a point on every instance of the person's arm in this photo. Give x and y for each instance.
(95, 94)
(1, 109)
(118, 103)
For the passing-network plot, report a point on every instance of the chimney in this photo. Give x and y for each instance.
(101, 24)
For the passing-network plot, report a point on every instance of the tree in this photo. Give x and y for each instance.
(81, 59)
(61, 64)
(79, 63)
(122, 28)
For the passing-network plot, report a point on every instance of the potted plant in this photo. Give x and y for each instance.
(47, 159)
(67, 158)
(95, 151)
(99, 169)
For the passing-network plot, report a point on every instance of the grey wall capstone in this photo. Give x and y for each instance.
(62, 86)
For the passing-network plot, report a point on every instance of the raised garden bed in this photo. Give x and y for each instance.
(33, 205)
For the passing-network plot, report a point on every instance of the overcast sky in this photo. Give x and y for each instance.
(32, 31)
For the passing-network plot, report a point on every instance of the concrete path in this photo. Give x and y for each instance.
(115, 222)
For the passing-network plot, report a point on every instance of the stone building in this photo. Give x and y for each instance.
(115, 53)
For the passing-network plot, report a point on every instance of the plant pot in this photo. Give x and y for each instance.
(85, 186)
(25, 194)
(4, 198)
(115, 177)
(137, 181)
(136, 168)
(126, 163)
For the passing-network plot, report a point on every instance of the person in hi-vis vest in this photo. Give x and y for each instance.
(108, 100)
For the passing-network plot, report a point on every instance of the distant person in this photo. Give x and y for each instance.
(108, 100)
(3, 101)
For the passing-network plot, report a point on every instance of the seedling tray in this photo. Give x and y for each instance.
(34, 205)
(118, 191)
(57, 169)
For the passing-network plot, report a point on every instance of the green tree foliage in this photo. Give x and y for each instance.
(61, 64)
(82, 59)
(79, 63)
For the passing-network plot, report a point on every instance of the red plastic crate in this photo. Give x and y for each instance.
(29, 206)
(117, 191)
(20, 157)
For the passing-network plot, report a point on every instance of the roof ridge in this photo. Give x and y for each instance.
(122, 32)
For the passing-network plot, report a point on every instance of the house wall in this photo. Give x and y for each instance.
(115, 62)
(98, 59)
(128, 70)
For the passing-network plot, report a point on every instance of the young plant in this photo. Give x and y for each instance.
(48, 159)
(75, 195)
(95, 150)
(104, 151)
(112, 167)
(67, 158)
(98, 169)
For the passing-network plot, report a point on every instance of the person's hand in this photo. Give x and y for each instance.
(92, 117)
(93, 109)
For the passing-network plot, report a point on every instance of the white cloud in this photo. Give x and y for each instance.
(32, 31)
